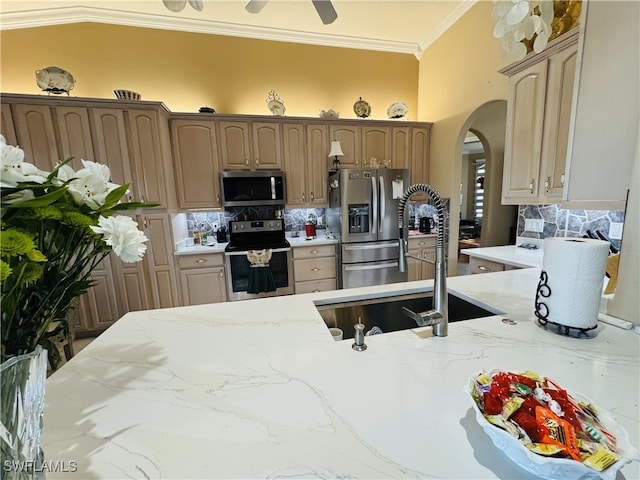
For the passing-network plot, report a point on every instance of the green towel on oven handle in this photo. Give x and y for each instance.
(261, 279)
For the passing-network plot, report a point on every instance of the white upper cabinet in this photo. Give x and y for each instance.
(538, 119)
(605, 128)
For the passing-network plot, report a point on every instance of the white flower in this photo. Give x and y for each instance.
(516, 20)
(90, 185)
(13, 168)
(121, 233)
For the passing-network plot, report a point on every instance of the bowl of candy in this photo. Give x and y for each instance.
(545, 429)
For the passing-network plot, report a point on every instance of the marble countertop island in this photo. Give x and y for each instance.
(259, 389)
(509, 254)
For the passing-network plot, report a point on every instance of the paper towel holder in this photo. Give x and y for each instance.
(542, 311)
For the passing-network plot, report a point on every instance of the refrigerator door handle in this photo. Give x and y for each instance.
(374, 246)
(374, 205)
(382, 203)
(375, 266)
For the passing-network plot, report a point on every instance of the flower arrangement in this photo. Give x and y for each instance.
(55, 228)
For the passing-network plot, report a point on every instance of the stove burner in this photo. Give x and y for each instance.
(256, 235)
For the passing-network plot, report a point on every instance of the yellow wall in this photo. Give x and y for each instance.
(189, 70)
(458, 73)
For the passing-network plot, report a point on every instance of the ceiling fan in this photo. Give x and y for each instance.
(324, 8)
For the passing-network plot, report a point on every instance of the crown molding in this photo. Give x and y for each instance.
(452, 18)
(66, 15)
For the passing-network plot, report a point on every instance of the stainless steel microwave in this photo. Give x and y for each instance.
(242, 188)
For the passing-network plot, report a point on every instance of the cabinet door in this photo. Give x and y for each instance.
(132, 290)
(414, 266)
(235, 148)
(559, 99)
(6, 124)
(266, 145)
(295, 164)
(400, 148)
(110, 144)
(203, 285)
(147, 157)
(419, 164)
(376, 145)
(36, 135)
(318, 164)
(98, 308)
(75, 134)
(196, 160)
(523, 142)
(159, 260)
(350, 141)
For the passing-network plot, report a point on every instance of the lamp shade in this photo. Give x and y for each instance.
(336, 149)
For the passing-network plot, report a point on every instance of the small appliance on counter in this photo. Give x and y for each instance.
(221, 235)
(426, 224)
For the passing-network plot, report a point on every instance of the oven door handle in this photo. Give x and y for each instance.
(372, 266)
(273, 250)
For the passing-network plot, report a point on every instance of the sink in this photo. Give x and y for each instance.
(386, 312)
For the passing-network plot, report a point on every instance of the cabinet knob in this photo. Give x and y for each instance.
(200, 260)
(313, 251)
(532, 185)
(483, 268)
(315, 291)
(315, 269)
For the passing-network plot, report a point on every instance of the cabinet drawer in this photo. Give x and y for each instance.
(198, 261)
(478, 265)
(314, 268)
(425, 242)
(323, 285)
(313, 251)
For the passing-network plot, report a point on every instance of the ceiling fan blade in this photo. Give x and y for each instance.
(325, 10)
(255, 6)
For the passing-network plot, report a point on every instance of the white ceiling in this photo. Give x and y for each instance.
(384, 25)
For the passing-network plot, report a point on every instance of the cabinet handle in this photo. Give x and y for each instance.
(313, 251)
(246, 162)
(547, 185)
(315, 269)
(562, 179)
(303, 196)
(483, 268)
(221, 273)
(532, 185)
(142, 198)
(218, 199)
(315, 291)
(200, 260)
(312, 196)
(144, 222)
(257, 162)
(421, 243)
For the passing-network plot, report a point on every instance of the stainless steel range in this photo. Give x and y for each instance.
(257, 235)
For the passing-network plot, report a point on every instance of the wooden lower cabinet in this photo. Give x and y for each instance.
(121, 287)
(314, 268)
(202, 279)
(480, 265)
(424, 248)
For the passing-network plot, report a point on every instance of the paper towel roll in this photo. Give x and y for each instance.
(570, 287)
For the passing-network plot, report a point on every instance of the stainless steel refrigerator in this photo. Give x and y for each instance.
(363, 216)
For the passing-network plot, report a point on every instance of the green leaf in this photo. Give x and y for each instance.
(113, 197)
(133, 206)
(41, 201)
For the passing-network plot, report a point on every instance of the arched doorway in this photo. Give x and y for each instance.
(482, 216)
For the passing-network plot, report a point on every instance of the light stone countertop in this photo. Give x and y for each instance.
(509, 254)
(259, 389)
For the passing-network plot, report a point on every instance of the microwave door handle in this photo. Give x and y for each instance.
(273, 187)
(383, 202)
(374, 205)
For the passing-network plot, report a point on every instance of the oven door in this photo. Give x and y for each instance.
(238, 267)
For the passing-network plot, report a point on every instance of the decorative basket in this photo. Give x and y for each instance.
(127, 95)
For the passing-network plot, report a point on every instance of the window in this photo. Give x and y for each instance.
(478, 199)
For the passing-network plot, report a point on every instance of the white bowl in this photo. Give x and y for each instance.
(556, 468)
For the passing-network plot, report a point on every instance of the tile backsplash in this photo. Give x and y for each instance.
(559, 222)
(294, 219)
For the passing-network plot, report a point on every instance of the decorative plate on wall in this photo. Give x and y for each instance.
(55, 80)
(362, 108)
(274, 104)
(397, 110)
